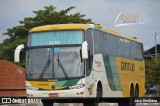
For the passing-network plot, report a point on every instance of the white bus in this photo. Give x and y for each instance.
(78, 61)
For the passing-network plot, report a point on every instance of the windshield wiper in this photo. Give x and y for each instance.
(45, 68)
(61, 66)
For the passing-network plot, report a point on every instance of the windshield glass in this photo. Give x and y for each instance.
(54, 63)
(56, 38)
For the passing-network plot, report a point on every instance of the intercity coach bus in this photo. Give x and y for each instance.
(82, 61)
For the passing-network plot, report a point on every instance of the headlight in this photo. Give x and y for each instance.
(32, 88)
(78, 86)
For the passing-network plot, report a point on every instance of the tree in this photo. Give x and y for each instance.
(45, 17)
(153, 71)
(49, 15)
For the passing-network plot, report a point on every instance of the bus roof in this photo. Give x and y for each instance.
(116, 33)
(81, 26)
(60, 27)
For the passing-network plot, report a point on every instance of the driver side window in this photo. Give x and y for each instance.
(89, 61)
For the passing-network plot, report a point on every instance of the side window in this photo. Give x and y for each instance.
(134, 50)
(105, 47)
(131, 50)
(109, 43)
(89, 61)
(116, 45)
(142, 52)
(139, 51)
(126, 48)
(97, 41)
(113, 44)
(121, 47)
(89, 40)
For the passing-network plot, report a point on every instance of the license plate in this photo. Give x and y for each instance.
(53, 95)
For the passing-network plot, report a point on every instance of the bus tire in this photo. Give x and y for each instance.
(129, 101)
(137, 91)
(47, 102)
(98, 96)
(132, 96)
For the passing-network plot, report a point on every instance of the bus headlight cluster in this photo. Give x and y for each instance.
(78, 86)
(32, 88)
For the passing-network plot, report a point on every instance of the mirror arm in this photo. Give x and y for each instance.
(17, 53)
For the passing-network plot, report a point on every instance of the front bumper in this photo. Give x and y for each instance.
(57, 93)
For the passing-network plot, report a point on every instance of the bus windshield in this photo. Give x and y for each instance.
(56, 38)
(54, 54)
(54, 63)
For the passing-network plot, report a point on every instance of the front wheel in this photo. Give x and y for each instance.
(47, 102)
(97, 99)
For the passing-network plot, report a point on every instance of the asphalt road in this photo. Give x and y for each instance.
(80, 104)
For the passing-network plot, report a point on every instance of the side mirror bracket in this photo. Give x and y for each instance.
(17, 53)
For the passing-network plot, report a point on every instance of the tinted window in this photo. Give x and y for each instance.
(89, 61)
(56, 38)
(109, 44)
(98, 36)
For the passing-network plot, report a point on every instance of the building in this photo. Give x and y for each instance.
(150, 53)
(12, 80)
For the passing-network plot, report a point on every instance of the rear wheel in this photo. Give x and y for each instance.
(137, 91)
(132, 97)
(129, 101)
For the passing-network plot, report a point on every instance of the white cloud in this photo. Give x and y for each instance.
(13, 11)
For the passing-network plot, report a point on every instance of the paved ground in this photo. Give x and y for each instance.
(80, 104)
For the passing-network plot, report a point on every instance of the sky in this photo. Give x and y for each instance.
(102, 12)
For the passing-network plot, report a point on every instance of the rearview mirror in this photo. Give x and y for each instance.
(85, 50)
(17, 53)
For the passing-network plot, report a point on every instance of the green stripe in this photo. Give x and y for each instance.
(60, 83)
(71, 82)
(111, 72)
(67, 82)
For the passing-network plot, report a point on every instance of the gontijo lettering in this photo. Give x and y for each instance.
(127, 66)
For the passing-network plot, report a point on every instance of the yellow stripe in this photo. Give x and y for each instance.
(59, 27)
(42, 84)
(127, 77)
(60, 87)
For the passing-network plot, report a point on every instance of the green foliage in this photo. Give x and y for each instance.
(153, 71)
(7, 51)
(46, 17)
(49, 15)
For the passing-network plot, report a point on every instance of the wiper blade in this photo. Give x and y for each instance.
(63, 70)
(45, 68)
